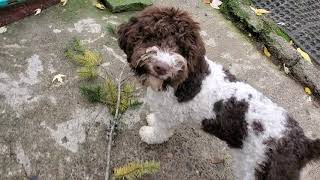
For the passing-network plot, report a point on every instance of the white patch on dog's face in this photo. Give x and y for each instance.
(165, 57)
(165, 64)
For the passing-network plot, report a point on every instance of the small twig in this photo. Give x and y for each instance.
(113, 126)
(126, 78)
(220, 161)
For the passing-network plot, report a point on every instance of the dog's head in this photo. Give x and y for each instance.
(163, 46)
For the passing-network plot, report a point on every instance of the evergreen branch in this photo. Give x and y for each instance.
(93, 93)
(136, 170)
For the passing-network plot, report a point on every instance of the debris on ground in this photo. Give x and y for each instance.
(3, 29)
(127, 5)
(307, 90)
(59, 78)
(215, 4)
(100, 6)
(63, 2)
(37, 11)
(259, 12)
(304, 55)
(136, 170)
(266, 52)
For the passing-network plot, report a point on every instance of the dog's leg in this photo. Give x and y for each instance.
(157, 131)
(155, 135)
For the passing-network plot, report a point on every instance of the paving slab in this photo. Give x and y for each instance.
(49, 131)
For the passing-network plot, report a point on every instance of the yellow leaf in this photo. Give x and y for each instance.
(291, 43)
(259, 12)
(100, 6)
(266, 52)
(63, 2)
(307, 90)
(304, 55)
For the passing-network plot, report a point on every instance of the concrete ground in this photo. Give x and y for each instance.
(49, 131)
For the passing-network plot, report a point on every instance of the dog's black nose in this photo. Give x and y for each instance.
(161, 68)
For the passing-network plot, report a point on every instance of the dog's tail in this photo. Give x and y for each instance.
(315, 149)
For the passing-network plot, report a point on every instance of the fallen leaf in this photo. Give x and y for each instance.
(259, 12)
(286, 69)
(206, 1)
(37, 11)
(100, 6)
(63, 2)
(291, 43)
(59, 78)
(215, 4)
(304, 55)
(307, 90)
(281, 23)
(3, 29)
(266, 52)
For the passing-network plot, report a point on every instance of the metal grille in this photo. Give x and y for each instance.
(300, 19)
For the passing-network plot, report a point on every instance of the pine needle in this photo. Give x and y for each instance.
(87, 72)
(88, 60)
(135, 104)
(126, 100)
(93, 93)
(135, 170)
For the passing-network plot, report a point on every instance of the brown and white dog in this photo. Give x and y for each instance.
(164, 48)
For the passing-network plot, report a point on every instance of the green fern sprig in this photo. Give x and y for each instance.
(135, 170)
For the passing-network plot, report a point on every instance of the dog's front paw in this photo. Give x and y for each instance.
(149, 135)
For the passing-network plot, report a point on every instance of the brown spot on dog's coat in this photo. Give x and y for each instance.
(257, 127)
(288, 155)
(230, 124)
(230, 77)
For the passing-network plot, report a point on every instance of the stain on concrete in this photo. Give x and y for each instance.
(19, 92)
(31, 76)
(56, 31)
(88, 25)
(70, 134)
(23, 159)
(114, 54)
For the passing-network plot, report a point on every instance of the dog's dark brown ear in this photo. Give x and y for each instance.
(192, 45)
(128, 35)
(192, 48)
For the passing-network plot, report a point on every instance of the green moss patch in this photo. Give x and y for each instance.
(240, 12)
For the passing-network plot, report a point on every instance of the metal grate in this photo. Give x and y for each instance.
(300, 19)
